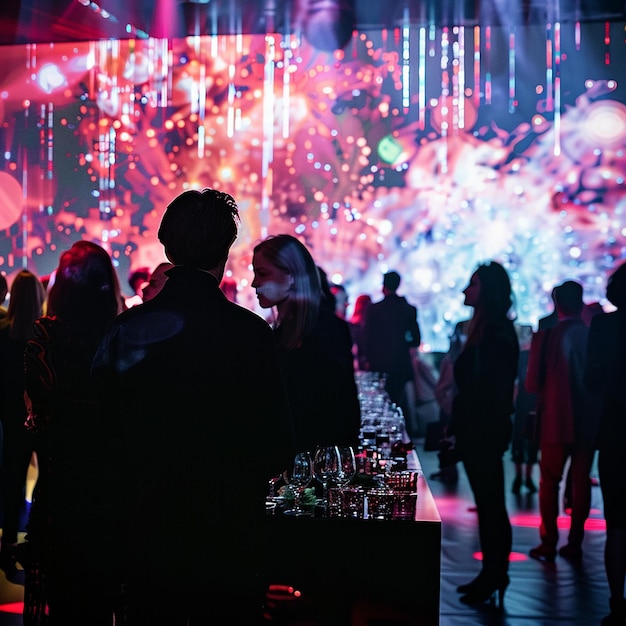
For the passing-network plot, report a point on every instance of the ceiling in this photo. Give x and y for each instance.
(78, 20)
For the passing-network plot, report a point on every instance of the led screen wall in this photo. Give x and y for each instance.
(423, 150)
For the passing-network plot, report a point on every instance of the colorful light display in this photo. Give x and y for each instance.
(417, 149)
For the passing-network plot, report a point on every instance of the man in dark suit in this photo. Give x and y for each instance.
(391, 332)
(193, 393)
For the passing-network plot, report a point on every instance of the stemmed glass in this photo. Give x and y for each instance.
(325, 468)
(298, 476)
(347, 465)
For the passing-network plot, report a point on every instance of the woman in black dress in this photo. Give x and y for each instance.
(485, 373)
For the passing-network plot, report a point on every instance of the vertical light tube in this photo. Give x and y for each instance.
(488, 64)
(444, 101)
(549, 70)
(557, 88)
(461, 76)
(476, 66)
(268, 133)
(422, 78)
(406, 60)
(286, 85)
(201, 96)
(512, 102)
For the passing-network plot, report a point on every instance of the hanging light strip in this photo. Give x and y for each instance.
(287, 56)
(421, 76)
(268, 132)
(476, 67)
(406, 60)
(50, 142)
(512, 102)
(488, 64)
(557, 88)
(461, 75)
(549, 70)
(445, 102)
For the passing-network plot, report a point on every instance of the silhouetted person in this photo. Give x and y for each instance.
(191, 386)
(314, 345)
(391, 331)
(341, 300)
(524, 449)
(69, 533)
(445, 392)
(485, 373)
(566, 424)
(357, 329)
(25, 306)
(605, 375)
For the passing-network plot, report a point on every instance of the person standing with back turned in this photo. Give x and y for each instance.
(192, 387)
(567, 427)
(391, 331)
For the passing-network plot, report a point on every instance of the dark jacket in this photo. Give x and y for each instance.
(556, 367)
(192, 388)
(485, 378)
(605, 376)
(319, 377)
(391, 328)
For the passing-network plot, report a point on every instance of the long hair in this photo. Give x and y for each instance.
(300, 312)
(86, 294)
(495, 300)
(25, 305)
(361, 305)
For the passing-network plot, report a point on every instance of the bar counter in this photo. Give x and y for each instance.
(363, 562)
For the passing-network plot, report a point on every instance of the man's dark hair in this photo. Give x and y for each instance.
(568, 297)
(199, 227)
(391, 280)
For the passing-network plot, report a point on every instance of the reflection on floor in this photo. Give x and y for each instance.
(555, 594)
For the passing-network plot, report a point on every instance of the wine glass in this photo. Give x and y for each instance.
(326, 467)
(298, 476)
(347, 465)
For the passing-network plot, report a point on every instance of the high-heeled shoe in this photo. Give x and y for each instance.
(487, 592)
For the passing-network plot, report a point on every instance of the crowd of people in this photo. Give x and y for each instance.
(173, 407)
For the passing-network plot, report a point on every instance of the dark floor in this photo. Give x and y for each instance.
(560, 593)
(540, 594)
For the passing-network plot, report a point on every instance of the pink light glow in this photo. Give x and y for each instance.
(323, 146)
(514, 557)
(563, 522)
